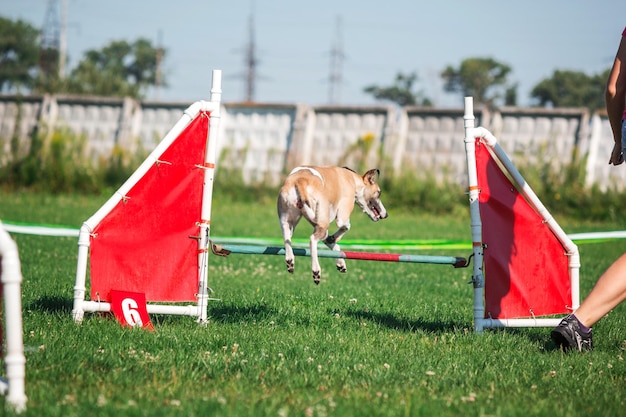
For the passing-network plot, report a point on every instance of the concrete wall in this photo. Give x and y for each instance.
(264, 141)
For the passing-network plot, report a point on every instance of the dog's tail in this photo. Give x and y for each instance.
(299, 200)
(303, 201)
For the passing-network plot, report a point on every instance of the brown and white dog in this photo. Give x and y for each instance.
(323, 195)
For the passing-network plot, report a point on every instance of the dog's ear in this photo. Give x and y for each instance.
(371, 176)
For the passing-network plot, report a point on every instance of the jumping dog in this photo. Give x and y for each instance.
(323, 195)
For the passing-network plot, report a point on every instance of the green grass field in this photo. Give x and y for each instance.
(384, 339)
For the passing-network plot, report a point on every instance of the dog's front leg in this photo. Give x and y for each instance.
(331, 242)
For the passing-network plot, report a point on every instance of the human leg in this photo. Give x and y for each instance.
(609, 291)
(574, 331)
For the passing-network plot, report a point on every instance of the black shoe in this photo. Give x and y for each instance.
(568, 335)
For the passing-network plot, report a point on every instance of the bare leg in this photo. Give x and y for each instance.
(609, 291)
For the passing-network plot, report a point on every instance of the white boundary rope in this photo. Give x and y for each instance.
(42, 230)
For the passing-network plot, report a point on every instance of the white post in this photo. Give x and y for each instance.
(14, 360)
(80, 288)
(475, 221)
(207, 197)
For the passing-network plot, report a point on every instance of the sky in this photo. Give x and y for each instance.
(379, 39)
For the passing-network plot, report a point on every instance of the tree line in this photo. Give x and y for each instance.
(119, 69)
(488, 81)
(124, 68)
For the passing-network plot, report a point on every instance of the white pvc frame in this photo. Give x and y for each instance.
(15, 362)
(198, 310)
(478, 279)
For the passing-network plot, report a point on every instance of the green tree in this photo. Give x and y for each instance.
(510, 95)
(19, 54)
(401, 92)
(119, 69)
(483, 78)
(571, 89)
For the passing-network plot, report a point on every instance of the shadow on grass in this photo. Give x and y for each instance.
(237, 314)
(539, 336)
(402, 324)
(52, 304)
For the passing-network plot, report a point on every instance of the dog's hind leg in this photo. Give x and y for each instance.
(319, 233)
(288, 216)
(287, 229)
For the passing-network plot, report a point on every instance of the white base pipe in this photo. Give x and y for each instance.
(102, 307)
(494, 323)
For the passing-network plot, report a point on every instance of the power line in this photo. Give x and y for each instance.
(158, 77)
(63, 39)
(335, 76)
(53, 41)
(51, 31)
(251, 62)
(250, 75)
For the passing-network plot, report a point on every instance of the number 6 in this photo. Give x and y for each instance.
(131, 314)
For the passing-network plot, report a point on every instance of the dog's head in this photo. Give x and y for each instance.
(369, 197)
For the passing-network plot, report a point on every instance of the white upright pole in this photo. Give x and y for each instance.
(207, 196)
(80, 287)
(14, 360)
(475, 220)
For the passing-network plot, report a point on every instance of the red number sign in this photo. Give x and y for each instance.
(130, 309)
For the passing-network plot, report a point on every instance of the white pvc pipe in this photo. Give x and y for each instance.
(104, 307)
(15, 362)
(493, 323)
(529, 194)
(80, 304)
(189, 114)
(40, 230)
(78, 311)
(210, 161)
(471, 134)
(475, 220)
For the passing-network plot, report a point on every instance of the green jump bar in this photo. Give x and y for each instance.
(457, 262)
